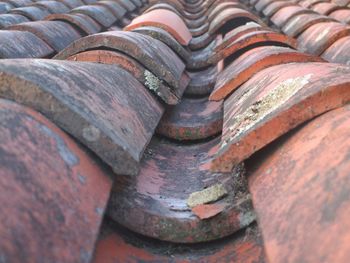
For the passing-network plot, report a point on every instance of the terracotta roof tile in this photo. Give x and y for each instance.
(54, 7)
(27, 45)
(179, 159)
(202, 82)
(99, 13)
(298, 24)
(33, 13)
(325, 8)
(222, 22)
(253, 61)
(84, 24)
(300, 192)
(57, 34)
(319, 37)
(103, 119)
(339, 51)
(121, 245)
(192, 119)
(53, 193)
(163, 36)
(166, 20)
(5, 7)
(11, 19)
(153, 54)
(273, 102)
(285, 14)
(152, 82)
(155, 202)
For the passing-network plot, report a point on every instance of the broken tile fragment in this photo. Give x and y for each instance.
(206, 211)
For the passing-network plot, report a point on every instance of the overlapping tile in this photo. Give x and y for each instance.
(27, 45)
(100, 105)
(320, 36)
(57, 34)
(53, 194)
(164, 19)
(251, 62)
(138, 71)
(155, 203)
(192, 119)
(155, 56)
(84, 23)
(273, 102)
(167, 199)
(338, 52)
(118, 245)
(301, 191)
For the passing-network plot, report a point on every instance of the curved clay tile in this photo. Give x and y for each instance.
(325, 8)
(191, 24)
(222, 21)
(202, 82)
(250, 63)
(207, 57)
(301, 191)
(138, 3)
(319, 37)
(168, 4)
(27, 45)
(254, 38)
(285, 14)
(342, 2)
(56, 34)
(87, 25)
(298, 24)
(5, 7)
(192, 119)
(153, 54)
(200, 42)
(273, 102)
(128, 5)
(53, 194)
(117, 9)
(163, 36)
(100, 14)
(221, 7)
(33, 13)
(152, 82)
(195, 32)
(238, 32)
(19, 3)
(120, 245)
(338, 52)
(342, 15)
(11, 19)
(262, 4)
(274, 7)
(54, 7)
(173, 180)
(72, 3)
(102, 106)
(310, 3)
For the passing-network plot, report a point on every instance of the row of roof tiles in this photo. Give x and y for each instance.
(154, 64)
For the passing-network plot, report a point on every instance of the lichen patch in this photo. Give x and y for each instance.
(152, 82)
(208, 195)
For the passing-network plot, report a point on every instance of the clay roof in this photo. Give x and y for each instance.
(174, 131)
